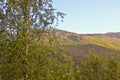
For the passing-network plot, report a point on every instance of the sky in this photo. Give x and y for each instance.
(89, 16)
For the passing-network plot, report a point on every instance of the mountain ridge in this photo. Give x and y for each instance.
(109, 34)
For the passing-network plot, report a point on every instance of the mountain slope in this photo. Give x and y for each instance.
(108, 40)
(78, 45)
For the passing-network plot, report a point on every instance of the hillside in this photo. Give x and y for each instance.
(78, 45)
(108, 40)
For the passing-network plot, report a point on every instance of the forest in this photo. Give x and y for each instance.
(31, 50)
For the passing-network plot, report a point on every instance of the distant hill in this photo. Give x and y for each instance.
(110, 35)
(108, 40)
(72, 35)
(78, 45)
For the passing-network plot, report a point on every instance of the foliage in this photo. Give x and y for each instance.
(77, 73)
(27, 44)
(97, 67)
(29, 50)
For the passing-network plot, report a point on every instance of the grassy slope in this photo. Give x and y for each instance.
(103, 40)
(107, 42)
(78, 45)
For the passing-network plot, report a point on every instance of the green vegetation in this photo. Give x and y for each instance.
(97, 67)
(27, 46)
(30, 51)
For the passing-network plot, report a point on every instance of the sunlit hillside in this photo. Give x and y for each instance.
(78, 45)
(108, 40)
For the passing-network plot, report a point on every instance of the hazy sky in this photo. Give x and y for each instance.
(90, 16)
